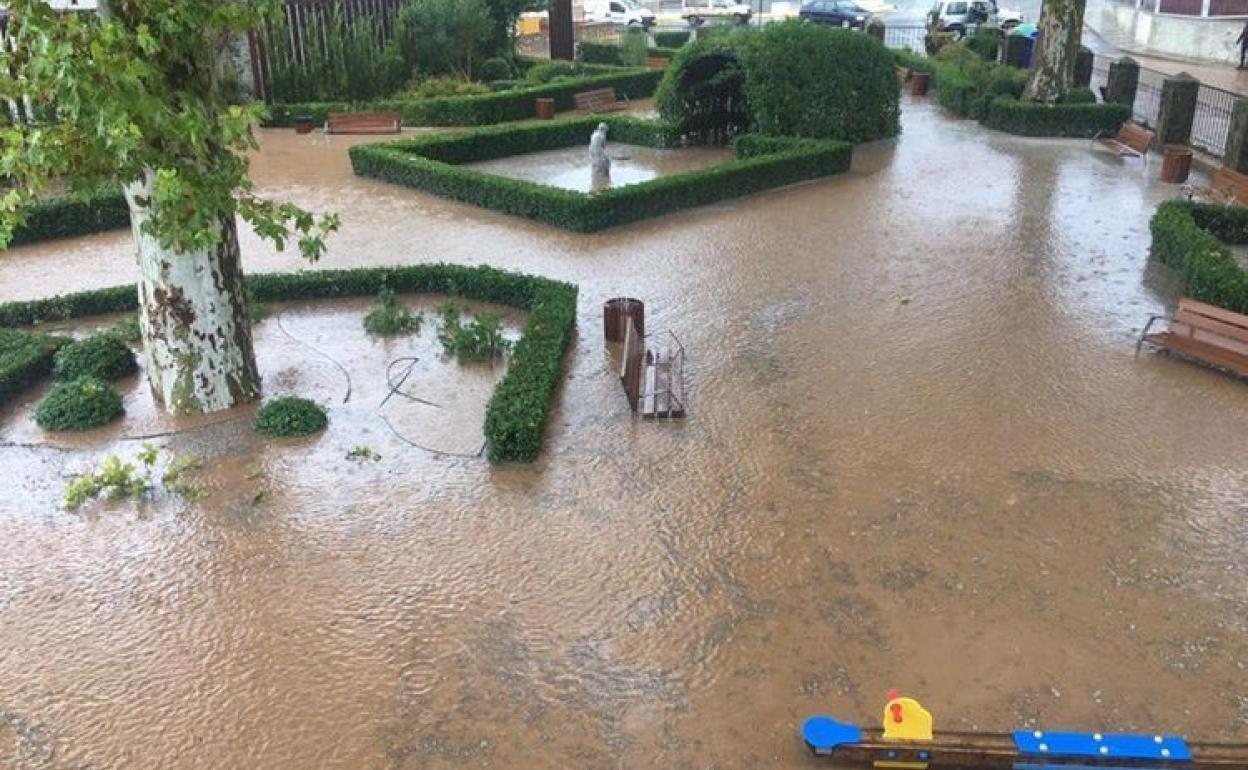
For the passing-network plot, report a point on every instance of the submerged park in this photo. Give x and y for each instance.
(322, 384)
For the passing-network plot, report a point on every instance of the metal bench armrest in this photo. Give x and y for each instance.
(1151, 320)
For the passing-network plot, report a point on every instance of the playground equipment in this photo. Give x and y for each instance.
(906, 740)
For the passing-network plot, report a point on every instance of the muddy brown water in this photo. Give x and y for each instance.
(920, 455)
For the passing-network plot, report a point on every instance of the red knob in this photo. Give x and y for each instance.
(896, 709)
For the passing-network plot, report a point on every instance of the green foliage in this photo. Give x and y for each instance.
(364, 453)
(488, 108)
(137, 97)
(985, 43)
(289, 416)
(428, 163)
(80, 404)
(967, 84)
(66, 216)
(671, 38)
(494, 69)
(444, 85)
(633, 48)
(451, 36)
(104, 356)
(116, 478)
(481, 339)
(916, 62)
(391, 317)
(1186, 237)
(127, 330)
(702, 95)
(1078, 95)
(340, 60)
(1068, 120)
(24, 359)
(517, 412)
(936, 42)
(554, 70)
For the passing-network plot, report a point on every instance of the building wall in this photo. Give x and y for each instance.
(1143, 31)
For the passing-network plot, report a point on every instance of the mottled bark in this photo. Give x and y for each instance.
(193, 315)
(1053, 60)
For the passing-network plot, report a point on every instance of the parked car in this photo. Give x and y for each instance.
(838, 13)
(696, 12)
(958, 16)
(623, 12)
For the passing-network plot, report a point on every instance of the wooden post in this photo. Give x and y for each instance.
(1124, 79)
(1178, 109)
(1083, 66)
(1236, 156)
(562, 42)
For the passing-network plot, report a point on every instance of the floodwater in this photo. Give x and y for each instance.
(920, 454)
(570, 169)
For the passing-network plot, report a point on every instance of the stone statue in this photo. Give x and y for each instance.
(598, 159)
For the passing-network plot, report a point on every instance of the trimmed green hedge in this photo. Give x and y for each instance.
(65, 217)
(671, 38)
(482, 109)
(290, 417)
(1064, 120)
(82, 404)
(612, 53)
(24, 359)
(102, 355)
(428, 163)
(1189, 237)
(516, 415)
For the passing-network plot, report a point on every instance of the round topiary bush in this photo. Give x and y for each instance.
(104, 356)
(494, 69)
(787, 79)
(80, 404)
(291, 416)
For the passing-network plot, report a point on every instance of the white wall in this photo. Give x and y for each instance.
(1190, 38)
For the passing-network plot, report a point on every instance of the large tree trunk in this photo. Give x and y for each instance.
(193, 314)
(1053, 60)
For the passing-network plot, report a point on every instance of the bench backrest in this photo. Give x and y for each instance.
(589, 100)
(1135, 136)
(1231, 184)
(657, 62)
(1213, 325)
(364, 122)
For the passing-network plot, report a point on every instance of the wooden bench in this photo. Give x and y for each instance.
(653, 378)
(1205, 333)
(1131, 139)
(363, 123)
(1230, 186)
(598, 100)
(657, 62)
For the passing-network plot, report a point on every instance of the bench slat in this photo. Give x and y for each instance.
(1213, 311)
(364, 123)
(1201, 351)
(1213, 326)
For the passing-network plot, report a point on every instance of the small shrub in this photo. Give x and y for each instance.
(633, 49)
(671, 38)
(496, 68)
(116, 478)
(104, 356)
(933, 43)
(391, 317)
(479, 340)
(1078, 95)
(24, 358)
(554, 70)
(985, 43)
(444, 85)
(127, 330)
(291, 416)
(1068, 120)
(364, 453)
(81, 404)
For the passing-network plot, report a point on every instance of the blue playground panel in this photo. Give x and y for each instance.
(1095, 745)
(822, 734)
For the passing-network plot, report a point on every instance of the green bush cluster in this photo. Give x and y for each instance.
(81, 404)
(796, 79)
(1077, 120)
(65, 217)
(494, 69)
(104, 356)
(429, 163)
(1190, 237)
(669, 38)
(391, 317)
(339, 60)
(290, 416)
(25, 358)
(481, 339)
(483, 109)
(967, 85)
(443, 85)
(517, 412)
(985, 43)
(632, 51)
(702, 95)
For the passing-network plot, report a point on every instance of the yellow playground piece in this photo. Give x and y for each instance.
(905, 720)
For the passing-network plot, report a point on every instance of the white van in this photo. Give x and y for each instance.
(626, 13)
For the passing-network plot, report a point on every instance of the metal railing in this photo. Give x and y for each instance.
(905, 37)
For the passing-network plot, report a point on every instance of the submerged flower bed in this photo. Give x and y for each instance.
(435, 164)
(517, 412)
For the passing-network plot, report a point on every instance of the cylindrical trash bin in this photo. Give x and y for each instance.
(304, 124)
(545, 108)
(1176, 163)
(919, 82)
(616, 314)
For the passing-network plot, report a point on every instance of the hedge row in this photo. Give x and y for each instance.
(480, 109)
(1084, 120)
(24, 359)
(517, 412)
(613, 53)
(65, 217)
(428, 163)
(1189, 237)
